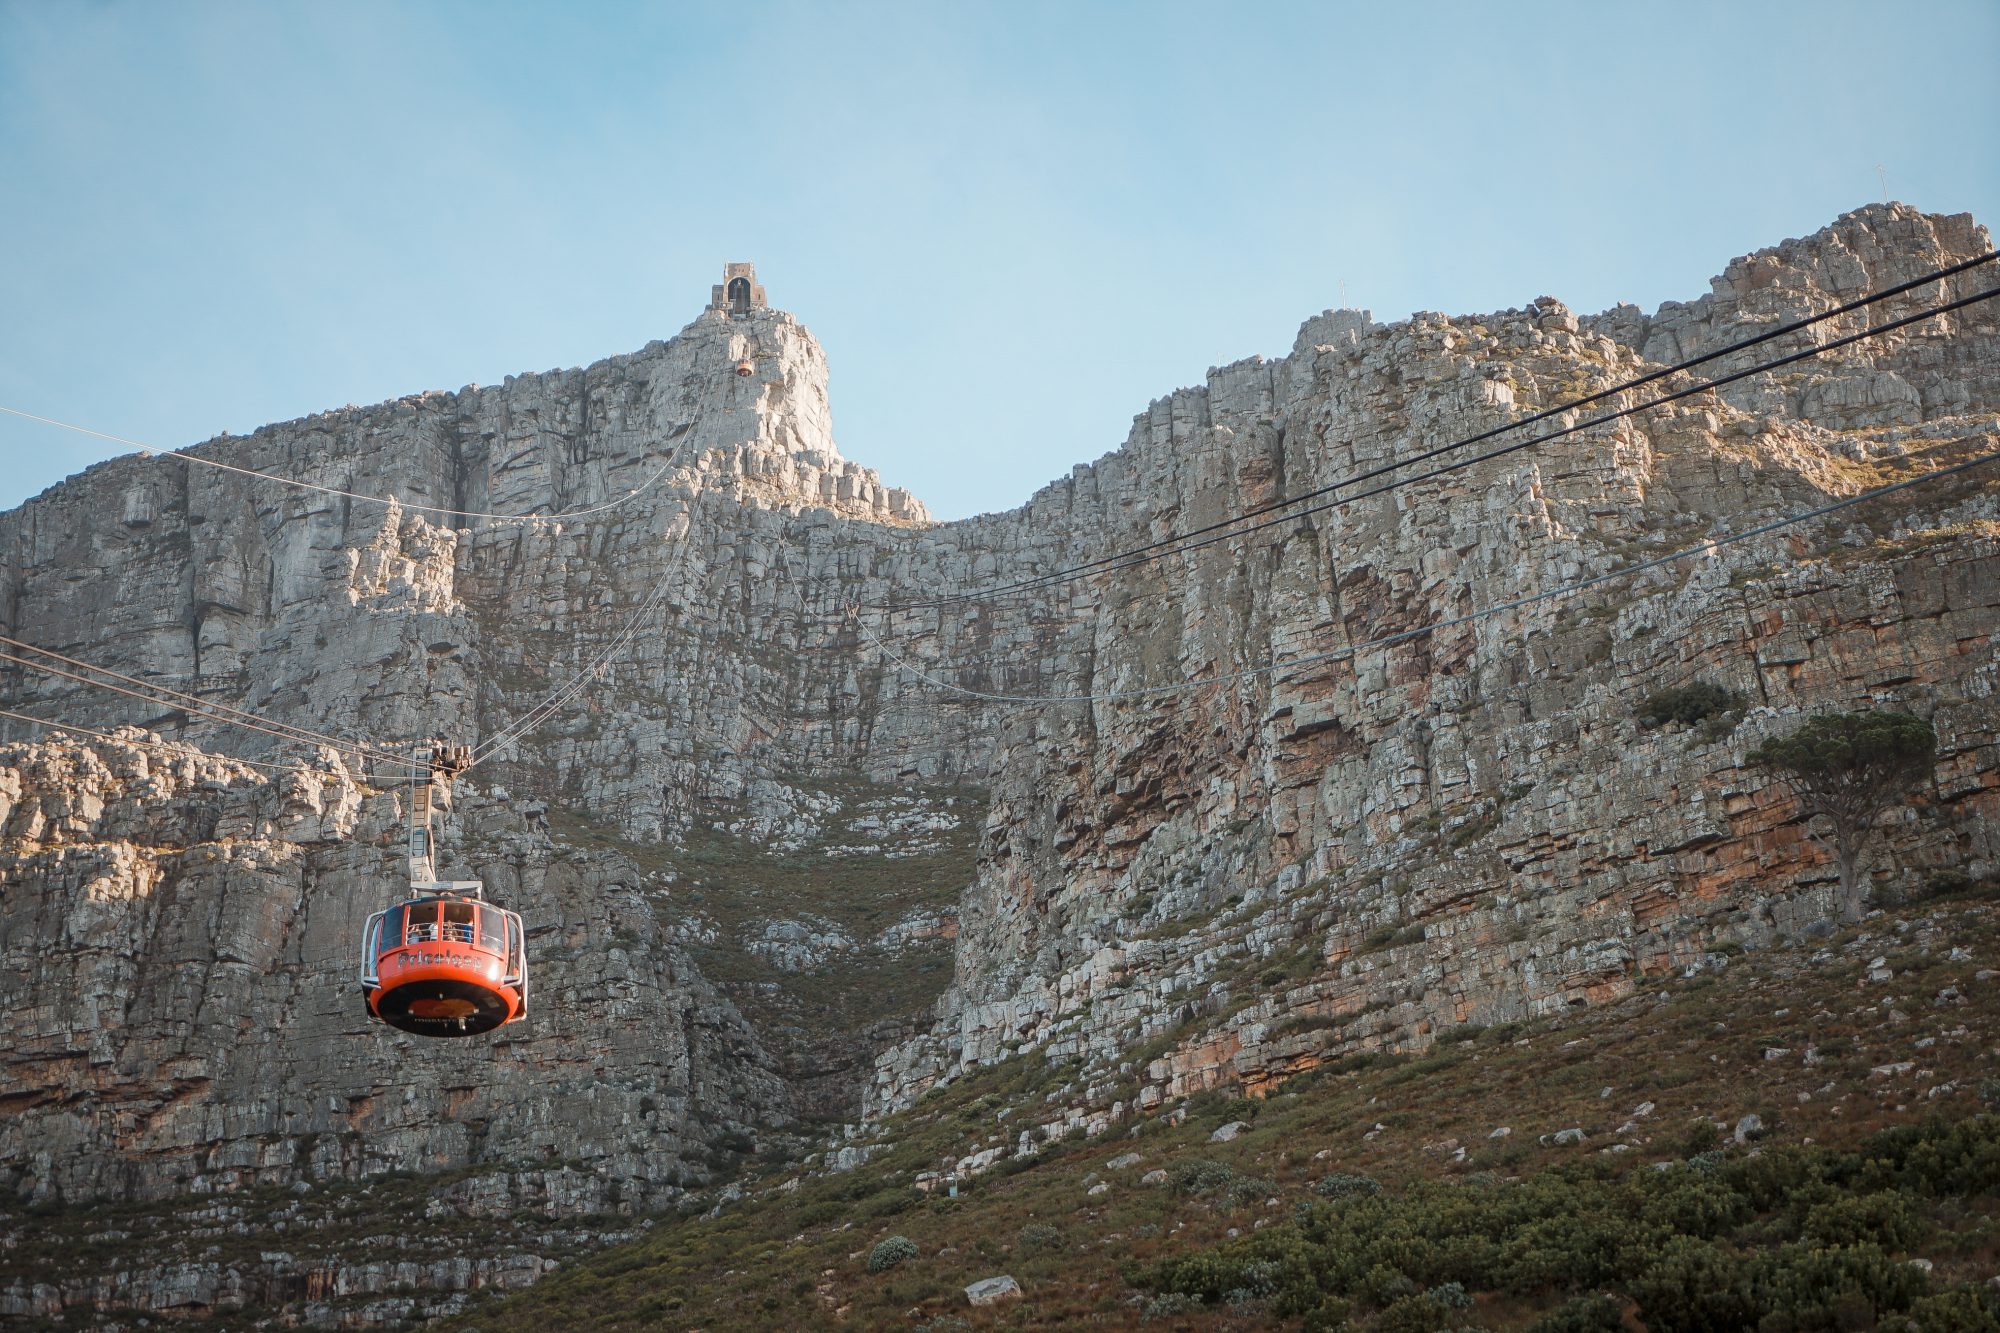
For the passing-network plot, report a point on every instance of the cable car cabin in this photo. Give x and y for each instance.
(445, 967)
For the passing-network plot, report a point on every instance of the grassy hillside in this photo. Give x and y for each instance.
(1382, 1192)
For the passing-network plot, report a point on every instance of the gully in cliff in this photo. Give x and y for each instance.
(442, 963)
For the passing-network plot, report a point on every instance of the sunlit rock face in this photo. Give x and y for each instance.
(1471, 824)
(177, 963)
(178, 931)
(1265, 867)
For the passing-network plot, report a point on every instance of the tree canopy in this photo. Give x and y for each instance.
(1849, 768)
(1846, 759)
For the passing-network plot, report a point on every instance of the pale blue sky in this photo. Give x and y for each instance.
(1011, 225)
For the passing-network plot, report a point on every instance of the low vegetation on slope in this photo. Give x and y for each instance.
(1794, 1140)
(1790, 1239)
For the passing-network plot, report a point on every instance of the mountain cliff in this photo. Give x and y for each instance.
(816, 839)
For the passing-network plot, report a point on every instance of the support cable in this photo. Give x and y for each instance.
(562, 694)
(341, 748)
(208, 708)
(148, 451)
(178, 701)
(183, 748)
(1351, 650)
(1181, 543)
(1151, 551)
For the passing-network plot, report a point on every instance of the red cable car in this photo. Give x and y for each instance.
(445, 966)
(444, 962)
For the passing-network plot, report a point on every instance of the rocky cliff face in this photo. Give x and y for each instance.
(178, 955)
(757, 819)
(1267, 872)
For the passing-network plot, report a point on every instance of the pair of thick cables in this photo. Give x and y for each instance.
(181, 749)
(1228, 530)
(161, 696)
(1404, 636)
(1225, 529)
(238, 717)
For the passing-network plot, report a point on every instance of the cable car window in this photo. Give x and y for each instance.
(392, 932)
(423, 922)
(492, 931)
(458, 922)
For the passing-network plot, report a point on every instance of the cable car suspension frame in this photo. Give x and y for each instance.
(443, 962)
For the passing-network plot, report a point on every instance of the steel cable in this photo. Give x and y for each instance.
(1180, 542)
(148, 451)
(180, 702)
(1386, 640)
(184, 748)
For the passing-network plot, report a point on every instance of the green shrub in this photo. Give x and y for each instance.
(1423, 1068)
(1039, 1236)
(1415, 1314)
(1934, 1158)
(1216, 1104)
(1689, 1203)
(1789, 1178)
(1170, 1304)
(1201, 1276)
(1449, 1296)
(1342, 1185)
(1393, 937)
(1199, 1175)
(1696, 1138)
(1961, 1310)
(1019, 1162)
(890, 1252)
(888, 1203)
(1709, 1163)
(944, 1323)
(1386, 1285)
(1946, 883)
(1802, 1287)
(1260, 1280)
(1696, 1287)
(1473, 830)
(1292, 1024)
(1331, 1315)
(1883, 1217)
(1783, 1241)
(1687, 705)
(819, 1214)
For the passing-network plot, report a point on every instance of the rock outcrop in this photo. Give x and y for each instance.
(177, 957)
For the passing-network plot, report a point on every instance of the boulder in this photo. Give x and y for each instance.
(993, 1290)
